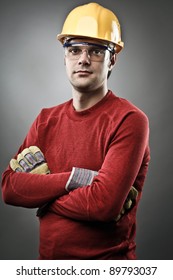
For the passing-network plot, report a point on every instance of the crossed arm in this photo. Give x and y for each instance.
(103, 199)
(106, 197)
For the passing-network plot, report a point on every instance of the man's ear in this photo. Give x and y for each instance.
(112, 62)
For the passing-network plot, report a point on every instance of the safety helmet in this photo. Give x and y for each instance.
(92, 21)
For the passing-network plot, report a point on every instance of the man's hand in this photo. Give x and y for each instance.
(129, 202)
(30, 160)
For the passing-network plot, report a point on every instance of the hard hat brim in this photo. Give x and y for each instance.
(62, 37)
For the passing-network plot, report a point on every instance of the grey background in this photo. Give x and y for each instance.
(32, 76)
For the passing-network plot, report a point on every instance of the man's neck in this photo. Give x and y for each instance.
(85, 100)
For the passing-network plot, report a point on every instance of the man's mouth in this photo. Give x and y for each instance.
(81, 71)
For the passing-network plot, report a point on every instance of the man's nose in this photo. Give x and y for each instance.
(84, 57)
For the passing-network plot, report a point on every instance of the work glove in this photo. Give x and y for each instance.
(30, 160)
(129, 202)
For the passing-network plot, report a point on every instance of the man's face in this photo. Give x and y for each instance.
(87, 65)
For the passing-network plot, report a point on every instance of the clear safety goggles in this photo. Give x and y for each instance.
(95, 52)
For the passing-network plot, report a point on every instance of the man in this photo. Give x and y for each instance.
(83, 163)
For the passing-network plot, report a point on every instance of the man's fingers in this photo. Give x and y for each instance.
(24, 163)
(128, 204)
(133, 193)
(15, 165)
(30, 160)
(37, 153)
(27, 154)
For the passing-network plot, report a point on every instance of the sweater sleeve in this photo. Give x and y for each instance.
(127, 157)
(32, 190)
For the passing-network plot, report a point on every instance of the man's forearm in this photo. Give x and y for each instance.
(32, 190)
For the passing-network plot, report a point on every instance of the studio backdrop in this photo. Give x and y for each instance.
(32, 76)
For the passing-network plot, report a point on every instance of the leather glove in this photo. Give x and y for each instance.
(30, 160)
(129, 202)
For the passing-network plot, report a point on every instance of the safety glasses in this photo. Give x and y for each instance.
(95, 52)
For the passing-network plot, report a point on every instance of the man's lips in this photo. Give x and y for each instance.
(82, 72)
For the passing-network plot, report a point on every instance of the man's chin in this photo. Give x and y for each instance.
(83, 86)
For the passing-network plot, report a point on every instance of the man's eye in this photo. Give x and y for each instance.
(74, 51)
(97, 52)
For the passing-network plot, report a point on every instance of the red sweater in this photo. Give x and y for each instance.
(112, 138)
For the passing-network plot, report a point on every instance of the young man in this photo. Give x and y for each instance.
(83, 163)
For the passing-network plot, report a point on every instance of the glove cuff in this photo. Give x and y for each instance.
(80, 177)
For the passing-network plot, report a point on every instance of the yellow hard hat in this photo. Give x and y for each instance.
(92, 21)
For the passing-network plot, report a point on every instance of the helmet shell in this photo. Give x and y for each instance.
(92, 21)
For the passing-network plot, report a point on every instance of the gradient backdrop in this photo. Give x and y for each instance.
(32, 76)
